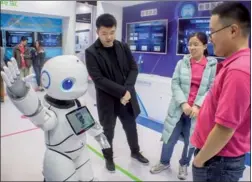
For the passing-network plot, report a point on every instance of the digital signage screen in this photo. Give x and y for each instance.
(186, 27)
(50, 39)
(13, 38)
(147, 36)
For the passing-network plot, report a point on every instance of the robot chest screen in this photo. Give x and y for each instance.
(80, 120)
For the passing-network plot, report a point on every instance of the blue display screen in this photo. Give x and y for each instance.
(147, 37)
(50, 39)
(188, 26)
(13, 38)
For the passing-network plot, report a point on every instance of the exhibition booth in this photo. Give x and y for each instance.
(156, 33)
(64, 30)
(59, 25)
(47, 30)
(39, 20)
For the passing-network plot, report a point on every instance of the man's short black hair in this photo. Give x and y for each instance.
(23, 38)
(234, 11)
(106, 20)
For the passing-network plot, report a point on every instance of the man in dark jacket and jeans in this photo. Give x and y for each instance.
(23, 57)
(114, 71)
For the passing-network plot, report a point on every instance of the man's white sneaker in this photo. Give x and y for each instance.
(182, 175)
(159, 168)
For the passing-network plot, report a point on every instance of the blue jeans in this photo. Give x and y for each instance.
(220, 169)
(37, 70)
(182, 128)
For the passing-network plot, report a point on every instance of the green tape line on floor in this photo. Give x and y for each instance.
(127, 173)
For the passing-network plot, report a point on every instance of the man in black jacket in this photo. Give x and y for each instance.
(113, 70)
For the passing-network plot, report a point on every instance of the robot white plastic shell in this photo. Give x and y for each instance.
(65, 79)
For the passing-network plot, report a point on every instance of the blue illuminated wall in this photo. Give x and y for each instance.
(12, 22)
(164, 65)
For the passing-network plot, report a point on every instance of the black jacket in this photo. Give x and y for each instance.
(38, 58)
(107, 91)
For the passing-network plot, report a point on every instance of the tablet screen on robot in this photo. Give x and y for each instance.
(80, 120)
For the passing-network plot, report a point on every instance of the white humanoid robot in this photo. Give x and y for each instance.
(64, 121)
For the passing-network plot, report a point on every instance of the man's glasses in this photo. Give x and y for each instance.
(210, 35)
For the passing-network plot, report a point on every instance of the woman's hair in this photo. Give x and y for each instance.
(39, 43)
(203, 39)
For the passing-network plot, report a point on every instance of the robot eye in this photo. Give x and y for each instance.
(67, 84)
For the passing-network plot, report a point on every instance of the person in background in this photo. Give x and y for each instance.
(1, 79)
(191, 81)
(114, 71)
(38, 60)
(222, 132)
(22, 54)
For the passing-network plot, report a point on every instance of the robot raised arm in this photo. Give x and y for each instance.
(25, 98)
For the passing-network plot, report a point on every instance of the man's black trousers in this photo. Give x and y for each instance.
(125, 114)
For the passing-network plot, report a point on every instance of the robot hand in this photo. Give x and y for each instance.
(17, 86)
(102, 140)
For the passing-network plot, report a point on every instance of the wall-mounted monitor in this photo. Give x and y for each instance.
(147, 36)
(14, 37)
(188, 26)
(50, 39)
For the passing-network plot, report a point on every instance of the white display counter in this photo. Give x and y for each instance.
(154, 94)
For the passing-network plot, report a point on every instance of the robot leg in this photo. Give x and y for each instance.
(58, 167)
(83, 166)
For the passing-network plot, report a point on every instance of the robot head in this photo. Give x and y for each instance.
(64, 77)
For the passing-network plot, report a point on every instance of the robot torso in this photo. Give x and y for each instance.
(63, 138)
